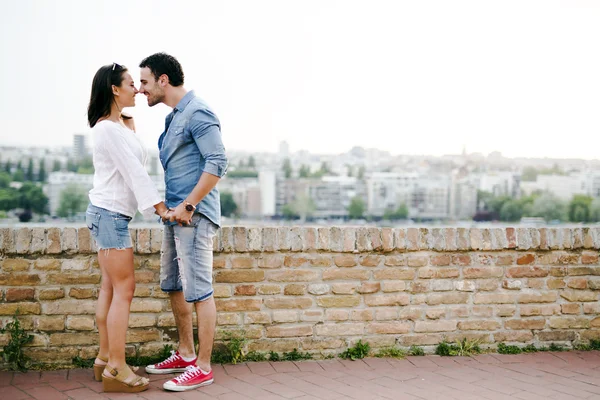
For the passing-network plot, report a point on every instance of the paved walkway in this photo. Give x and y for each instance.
(564, 376)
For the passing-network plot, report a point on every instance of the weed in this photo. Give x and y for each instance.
(273, 356)
(391, 352)
(530, 348)
(83, 362)
(232, 350)
(295, 355)
(509, 349)
(358, 351)
(416, 351)
(556, 347)
(255, 356)
(463, 347)
(138, 360)
(12, 352)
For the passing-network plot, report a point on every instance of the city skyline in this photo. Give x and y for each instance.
(414, 79)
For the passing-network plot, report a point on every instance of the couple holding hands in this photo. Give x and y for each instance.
(193, 157)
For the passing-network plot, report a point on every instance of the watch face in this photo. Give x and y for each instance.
(189, 207)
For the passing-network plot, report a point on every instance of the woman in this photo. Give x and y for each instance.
(121, 186)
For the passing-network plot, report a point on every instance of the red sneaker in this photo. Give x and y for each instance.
(193, 378)
(171, 365)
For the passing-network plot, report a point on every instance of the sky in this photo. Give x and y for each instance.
(410, 77)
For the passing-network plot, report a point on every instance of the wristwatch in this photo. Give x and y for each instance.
(189, 207)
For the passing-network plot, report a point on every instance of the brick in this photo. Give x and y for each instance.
(295, 235)
(379, 300)
(221, 291)
(239, 304)
(80, 323)
(269, 261)
(24, 308)
(512, 284)
(579, 296)
(577, 271)
(591, 308)
(395, 261)
(589, 257)
(536, 283)
(480, 311)
(417, 261)
(369, 287)
(479, 325)
(257, 318)
(318, 288)
(70, 278)
(228, 319)
(142, 335)
(227, 245)
(345, 260)
(46, 323)
(239, 276)
(393, 286)
(254, 239)
(524, 324)
(549, 297)
(387, 239)
(285, 316)
(348, 329)
(338, 301)
(73, 339)
(294, 290)
(294, 275)
(166, 320)
(361, 315)
(344, 288)
(556, 283)
(527, 272)
(312, 315)
(569, 323)
(146, 305)
(442, 285)
(322, 344)
(400, 239)
(577, 283)
(438, 239)
(504, 310)
(82, 293)
(289, 331)
(505, 259)
(349, 239)
(435, 326)
(142, 291)
(394, 274)
(558, 336)
(434, 299)
(337, 315)
(493, 298)
(15, 264)
(320, 261)
(51, 294)
(269, 289)
(336, 239)
(245, 290)
(240, 239)
(535, 310)
(482, 272)
(388, 328)
(345, 274)
(47, 265)
(419, 287)
(19, 279)
(363, 243)
(594, 284)
(441, 260)
(570, 308)
(465, 286)
(295, 261)
(269, 239)
(462, 260)
(386, 314)
(526, 259)
(19, 294)
(282, 345)
(513, 336)
(141, 321)
(288, 303)
(435, 313)
(243, 262)
(370, 260)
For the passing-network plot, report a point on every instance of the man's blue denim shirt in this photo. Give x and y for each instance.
(190, 145)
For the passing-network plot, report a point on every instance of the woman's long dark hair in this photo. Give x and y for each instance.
(102, 95)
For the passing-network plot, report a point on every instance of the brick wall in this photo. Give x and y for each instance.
(321, 289)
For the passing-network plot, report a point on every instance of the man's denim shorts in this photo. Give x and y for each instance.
(186, 261)
(110, 229)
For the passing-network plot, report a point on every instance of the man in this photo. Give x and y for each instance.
(193, 157)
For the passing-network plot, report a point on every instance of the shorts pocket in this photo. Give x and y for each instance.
(92, 221)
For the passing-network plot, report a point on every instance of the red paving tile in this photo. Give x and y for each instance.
(564, 376)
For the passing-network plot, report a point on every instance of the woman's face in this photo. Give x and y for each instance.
(125, 94)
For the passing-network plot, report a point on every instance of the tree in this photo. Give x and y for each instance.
(42, 171)
(31, 197)
(9, 199)
(72, 200)
(287, 168)
(350, 172)
(71, 165)
(303, 206)
(529, 174)
(579, 208)
(511, 211)
(289, 212)
(29, 174)
(361, 172)
(356, 209)
(18, 176)
(304, 171)
(549, 207)
(228, 205)
(85, 166)
(400, 213)
(7, 167)
(251, 162)
(56, 166)
(5, 180)
(595, 210)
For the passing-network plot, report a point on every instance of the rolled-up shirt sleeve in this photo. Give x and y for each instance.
(132, 170)
(206, 131)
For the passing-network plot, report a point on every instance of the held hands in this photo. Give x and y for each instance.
(180, 215)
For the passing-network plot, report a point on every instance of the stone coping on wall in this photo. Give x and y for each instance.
(239, 239)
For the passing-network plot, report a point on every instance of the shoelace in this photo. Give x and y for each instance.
(173, 357)
(192, 371)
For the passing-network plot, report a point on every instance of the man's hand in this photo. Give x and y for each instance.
(180, 215)
(166, 216)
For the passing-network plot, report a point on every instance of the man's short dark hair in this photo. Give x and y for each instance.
(164, 64)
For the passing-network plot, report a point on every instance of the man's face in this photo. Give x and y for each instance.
(150, 87)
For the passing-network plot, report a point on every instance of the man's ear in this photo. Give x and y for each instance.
(163, 80)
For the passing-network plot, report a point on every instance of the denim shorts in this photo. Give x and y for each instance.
(109, 229)
(186, 260)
